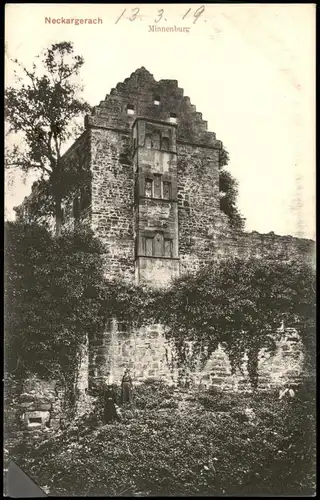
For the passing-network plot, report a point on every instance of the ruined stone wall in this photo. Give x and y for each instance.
(150, 356)
(78, 157)
(267, 246)
(202, 250)
(112, 201)
(200, 219)
(39, 404)
(204, 233)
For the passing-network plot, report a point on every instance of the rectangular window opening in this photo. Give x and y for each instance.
(85, 199)
(149, 247)
(130, 109)
(156, 101)
(173, 118)
(76, 207)
(157, 186)
(148, 184)
(168, 248)
(35, 420)
(166, 190)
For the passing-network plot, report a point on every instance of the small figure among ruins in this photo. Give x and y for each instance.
(109, 408)
(126, 387)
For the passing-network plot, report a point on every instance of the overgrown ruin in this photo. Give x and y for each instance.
(154, 202)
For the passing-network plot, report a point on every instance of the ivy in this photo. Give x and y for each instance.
(240, 304)
(54, 296)
(228, 187)
(237, 303)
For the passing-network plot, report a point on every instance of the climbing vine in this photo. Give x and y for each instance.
(240, 304)
(228, 187)
(54, 292)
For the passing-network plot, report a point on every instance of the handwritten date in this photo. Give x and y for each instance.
(160, 14)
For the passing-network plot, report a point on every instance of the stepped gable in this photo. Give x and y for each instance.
(139, 92)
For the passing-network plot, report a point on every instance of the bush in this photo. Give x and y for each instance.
(158, 450)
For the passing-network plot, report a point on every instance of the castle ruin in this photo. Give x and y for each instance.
(154, 202)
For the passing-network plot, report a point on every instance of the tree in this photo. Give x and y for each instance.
(228, 187)
(42, 109)
(239, 303)
(54, 298)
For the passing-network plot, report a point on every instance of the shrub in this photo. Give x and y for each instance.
(168, 451)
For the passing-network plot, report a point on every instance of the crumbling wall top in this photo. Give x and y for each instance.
(141, 95)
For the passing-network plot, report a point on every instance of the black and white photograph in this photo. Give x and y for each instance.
(159, 250)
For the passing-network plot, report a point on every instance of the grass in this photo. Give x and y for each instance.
(171, 442)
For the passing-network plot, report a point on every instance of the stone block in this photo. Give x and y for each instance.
(25, 398)
(36, 419)
(26, 404)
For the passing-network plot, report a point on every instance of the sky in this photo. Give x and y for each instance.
(248, 68)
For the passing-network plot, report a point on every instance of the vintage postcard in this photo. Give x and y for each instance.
(160, 250)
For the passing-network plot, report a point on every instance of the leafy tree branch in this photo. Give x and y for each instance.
(42, 108)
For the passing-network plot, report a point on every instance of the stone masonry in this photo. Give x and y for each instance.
(155, 205)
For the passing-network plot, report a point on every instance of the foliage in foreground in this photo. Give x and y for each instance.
(54, 291)
(174, 443)
(239, 303)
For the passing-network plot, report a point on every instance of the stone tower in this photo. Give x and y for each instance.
(155, 180)
(156, 201)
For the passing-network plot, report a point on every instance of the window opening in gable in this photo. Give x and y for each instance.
(35, 420)
(130, 109)
(173, 118)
